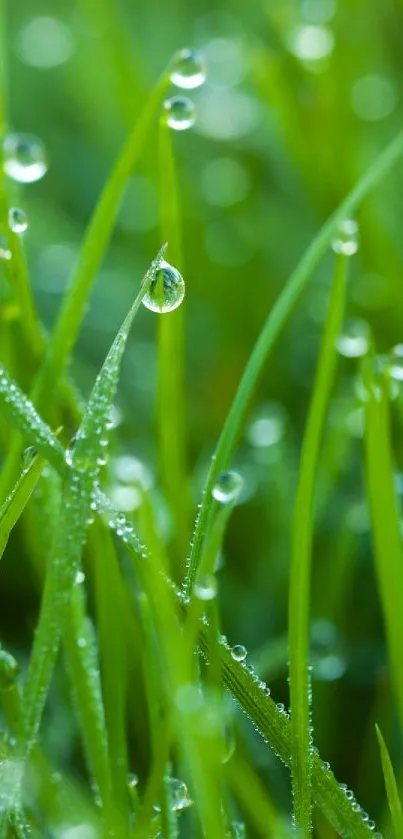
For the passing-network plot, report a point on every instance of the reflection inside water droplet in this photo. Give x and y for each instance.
(227, 487)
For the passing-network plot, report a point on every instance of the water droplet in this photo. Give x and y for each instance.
(346, 238)
(5, 252)
(396, 363)
(205, 588)
(267, 426)
(189, 70)
(28, 456)
(9, 669)
(180, 113)
(17, 220)
(238, 652)
(166, 290)
(354, 341)
(227, 487)
(132, 780)
(80, 577)
(81, 642)
(24, 158)
(178, 793)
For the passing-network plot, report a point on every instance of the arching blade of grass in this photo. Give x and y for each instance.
(171, 418)
(91, 255)
(15, 503)
(391, 786)
(83, 477)
(385, 522)
(28, 421)
(301, 558)
(271, 330)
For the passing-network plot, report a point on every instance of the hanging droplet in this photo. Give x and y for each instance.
(24, 158)
(9, 669)
(80, 578)
(17, 220)
(238, 652)
(5, 252)
(227, 487)
(189, 70)
(178, 794)
(180, 113)
(166, 290)
(354, 341)
(346, 238)
(396, 363)
(205, 588)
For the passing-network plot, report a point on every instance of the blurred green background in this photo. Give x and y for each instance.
(299, 99)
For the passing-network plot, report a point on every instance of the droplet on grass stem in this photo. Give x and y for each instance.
(166, 291)
(227, 487)
(189, 70)
(24, 158)
(180, 113)
(346, 238)
(17, 220)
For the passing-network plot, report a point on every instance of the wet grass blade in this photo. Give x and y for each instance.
(18, 498)
(301, 559)
(171, 416)
(272, 328)
(83, 476)
(391, 786)
(385, 522)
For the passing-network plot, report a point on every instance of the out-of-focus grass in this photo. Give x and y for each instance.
(300, 99)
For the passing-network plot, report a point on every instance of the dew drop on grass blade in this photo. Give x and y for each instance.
(82, 479)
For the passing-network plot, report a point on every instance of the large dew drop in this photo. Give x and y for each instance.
(354, 340)
(346, 238)
(166, 290)
(17, 220)
(180, 113)
(238, 652)
(189, 70)
(24, 158)
(205, 588)
(178, 793)
(227, 487)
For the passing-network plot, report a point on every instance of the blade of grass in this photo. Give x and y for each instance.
(83, 477)
(301, 558)
(391, 786)
(91, 255)
(171, 417)
(271, 330)
(18, 498)
(385, 523)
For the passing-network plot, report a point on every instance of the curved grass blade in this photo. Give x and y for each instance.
(395, 806)
(301, 559)
(385, 522)
(86, 459)
(271, 330)
(18, 498)
(17, 274)
(28, 421)
(171, 419)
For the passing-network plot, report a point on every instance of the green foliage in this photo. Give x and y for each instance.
(120, 696)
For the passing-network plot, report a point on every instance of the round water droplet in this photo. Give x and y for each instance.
(166, 290)
(24, 158)
(80, 577)
(178, 794)
(189, 70)
(132, 780)
(5, 252)
(17, 220)
(227, 487)
(238, 652)
(354, 341)
(205, 588)
(9, 669)
(180, 113)
(346, 238)
(396, 363)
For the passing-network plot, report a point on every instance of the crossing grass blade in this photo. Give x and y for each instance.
(14, 505)
(385, 521)
(81, 480)
(272, 328)
(391, 786)
(301, 559)
(171, 414)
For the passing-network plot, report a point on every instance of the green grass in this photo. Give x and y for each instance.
(120, 696)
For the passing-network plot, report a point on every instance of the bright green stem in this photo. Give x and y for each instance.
(395, 806)
(301, 560)
(385, 523)
(271, 331)
(171, 356)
